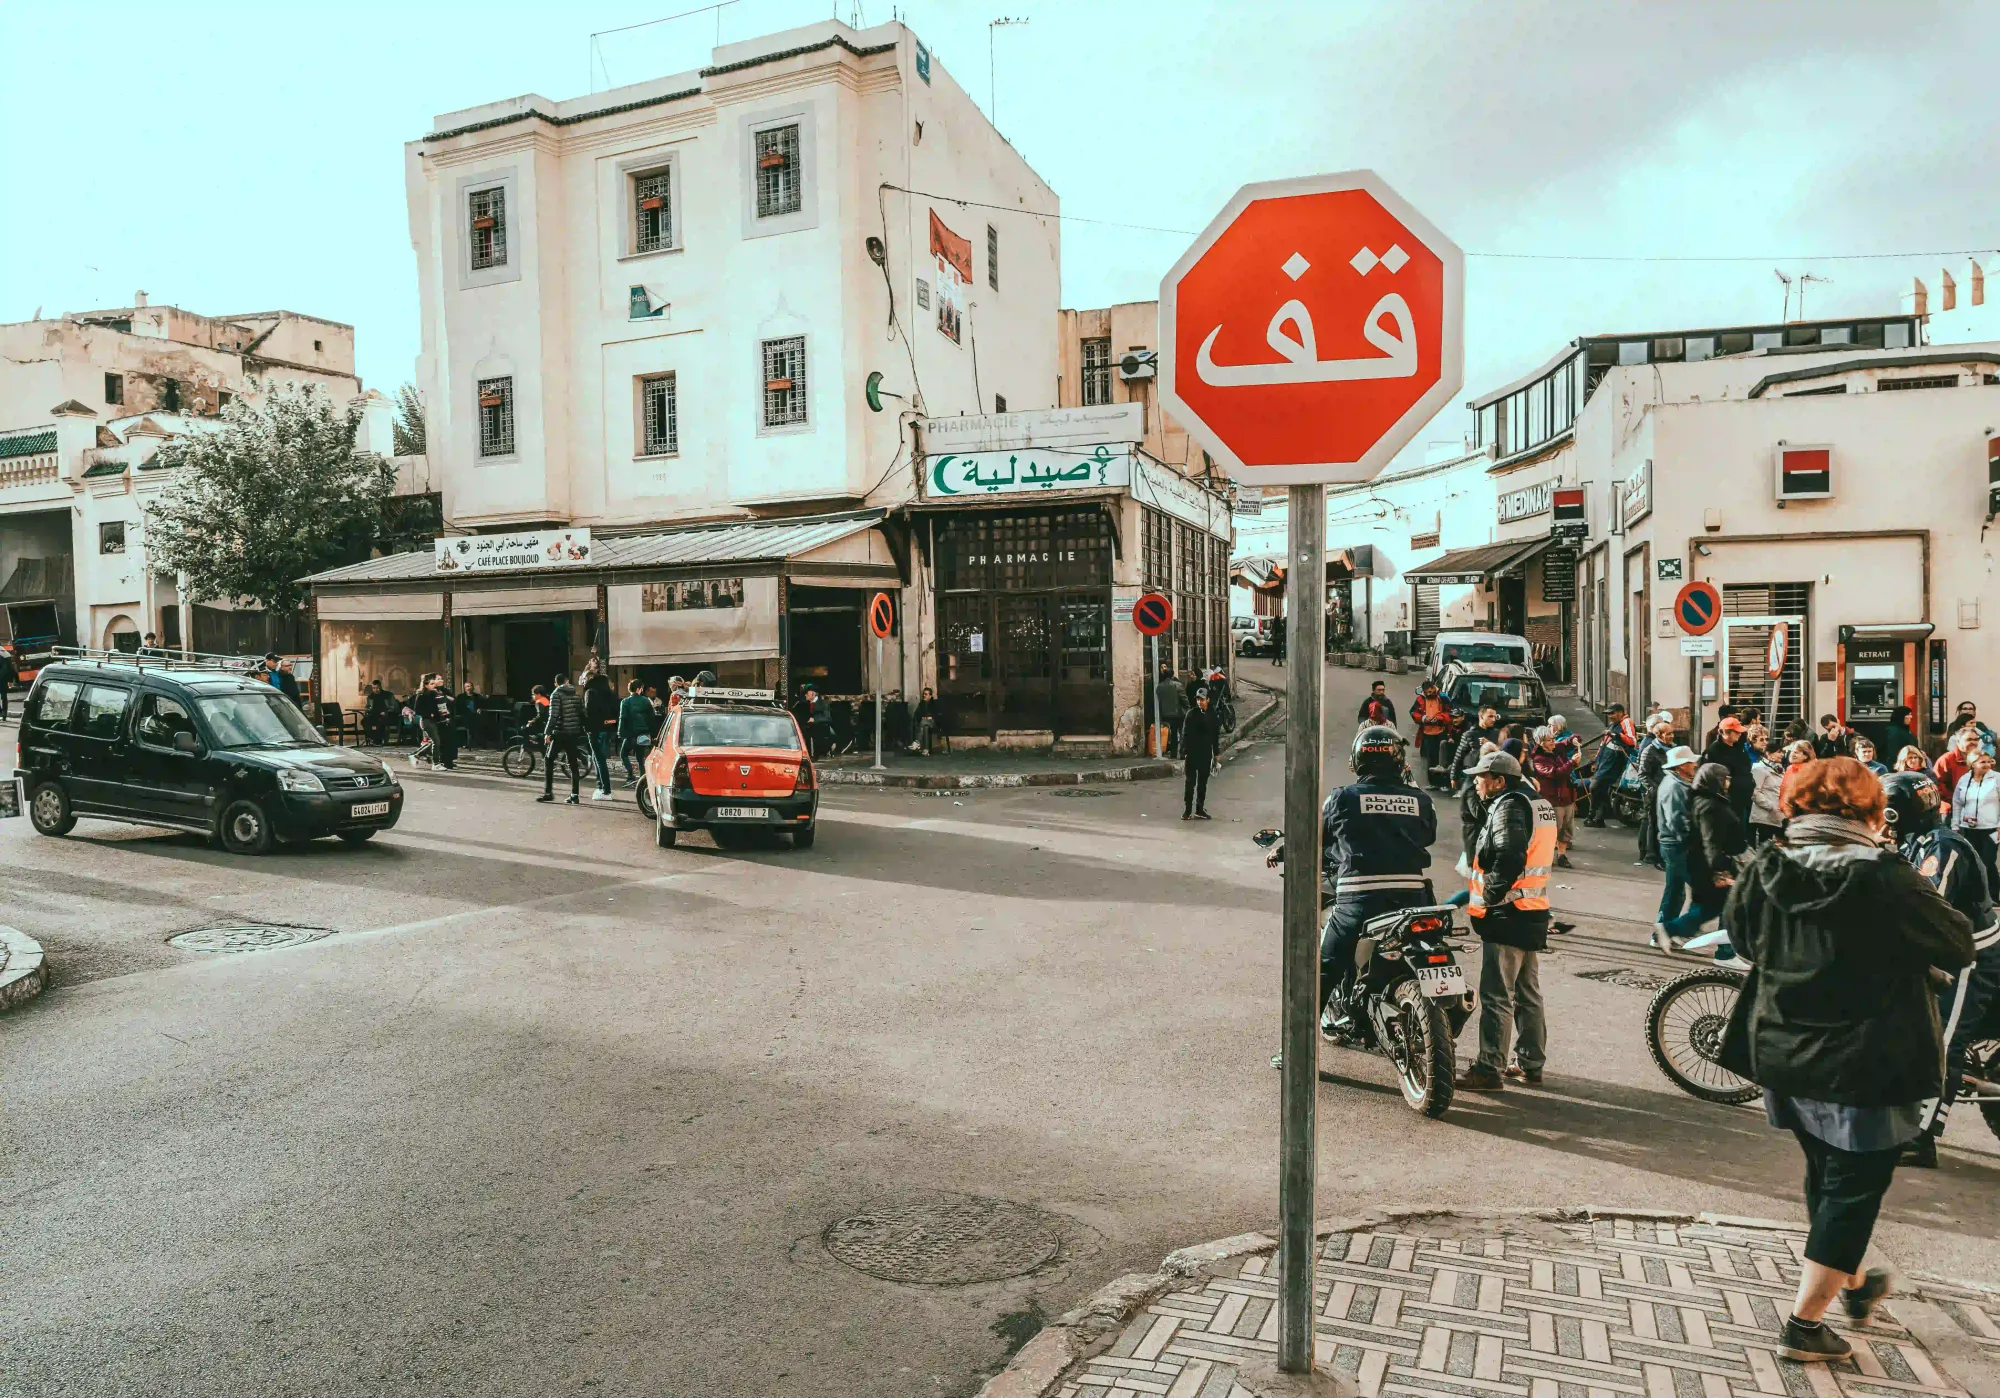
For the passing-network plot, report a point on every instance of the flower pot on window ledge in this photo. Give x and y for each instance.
(777, 385)
(485, 221)
(771, 160)
(490, 400)
(653, 203)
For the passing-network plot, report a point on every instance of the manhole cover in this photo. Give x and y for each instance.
(1625, 976)
(1077, 792)
(946, 1240)
(245, 936)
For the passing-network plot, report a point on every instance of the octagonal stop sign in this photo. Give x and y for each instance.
(1312, 330)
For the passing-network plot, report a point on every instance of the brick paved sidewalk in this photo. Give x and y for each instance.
(1542, 1307)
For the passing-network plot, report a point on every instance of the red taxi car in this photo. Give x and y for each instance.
(731, 759)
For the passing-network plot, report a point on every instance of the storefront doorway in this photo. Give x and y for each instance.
(536, 652)
(825, 639)
(1024, 622)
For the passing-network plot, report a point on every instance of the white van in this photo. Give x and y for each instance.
(1479, 648)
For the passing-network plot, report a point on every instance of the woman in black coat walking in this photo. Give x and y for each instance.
(1837, 1021)
(1716, 840)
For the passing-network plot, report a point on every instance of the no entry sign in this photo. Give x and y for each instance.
(1697, 607)
(881, 614)
(1312, 330)
(1152, 614)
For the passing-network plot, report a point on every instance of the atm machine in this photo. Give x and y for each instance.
(1879, 669)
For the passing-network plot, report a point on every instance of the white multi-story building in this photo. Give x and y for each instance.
(86, 401)
(708, 318)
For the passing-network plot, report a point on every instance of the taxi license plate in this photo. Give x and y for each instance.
(1438, 981)
(368, 808)
(741, 812)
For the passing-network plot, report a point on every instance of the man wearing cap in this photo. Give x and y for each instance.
(1670, 817)
(1729, 751)
(1612, 756)
(1509, 907)
(1201, 735)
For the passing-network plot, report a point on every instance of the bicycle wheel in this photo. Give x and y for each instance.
(518, 761)
(1684, 1028)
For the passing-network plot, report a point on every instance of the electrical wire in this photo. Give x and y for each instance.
(1496, 256)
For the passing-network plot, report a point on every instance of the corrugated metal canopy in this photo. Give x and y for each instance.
(1477, 565)
(697, 545)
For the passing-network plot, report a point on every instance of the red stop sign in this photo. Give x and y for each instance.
(1312, 330)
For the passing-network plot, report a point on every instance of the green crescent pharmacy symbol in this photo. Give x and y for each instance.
(937, 475)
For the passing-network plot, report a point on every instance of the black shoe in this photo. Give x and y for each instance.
(1187, 815)
(545, 797)
(1562, 861)
(1203, 815)
(1860, 1302)
(1811, 1341)
(571, 801)
(1920, 1154)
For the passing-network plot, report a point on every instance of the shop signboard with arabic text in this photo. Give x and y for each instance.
(1026, 472)
(510, 552)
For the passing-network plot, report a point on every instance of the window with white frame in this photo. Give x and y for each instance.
(652, 210)
(993, 257)
(785, 381)
(659, 417)
(496, 416)
(779, 188)
(486, 214)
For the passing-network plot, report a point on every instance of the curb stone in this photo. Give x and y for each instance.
(24, 970)
(1039, 1367)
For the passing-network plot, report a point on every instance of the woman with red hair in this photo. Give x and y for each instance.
(1837, 1021)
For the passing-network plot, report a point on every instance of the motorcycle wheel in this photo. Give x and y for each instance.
(518, 761)
(1428, 1064)
(1684, 1031)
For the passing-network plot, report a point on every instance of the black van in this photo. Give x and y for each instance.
(153, 742)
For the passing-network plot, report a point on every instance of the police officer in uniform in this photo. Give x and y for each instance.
(1948, 860)
(1511, 861)
(1377, 839)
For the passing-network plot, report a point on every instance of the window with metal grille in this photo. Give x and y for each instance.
(778, 186)
(1928, 381)
(114, 388)
(1097, 373)
(785, 380)
(659, 420)
(652, 211)
(487, 210)
(992, 257)
(496, 417)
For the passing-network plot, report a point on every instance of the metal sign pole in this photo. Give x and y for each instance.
(1299, 1085)
(878, 704)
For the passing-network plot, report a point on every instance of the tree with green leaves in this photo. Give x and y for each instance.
(277, 492)
(407, 432)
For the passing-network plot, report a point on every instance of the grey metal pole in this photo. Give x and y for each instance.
(878, 704)
(1149, 700)
(1299, 1085)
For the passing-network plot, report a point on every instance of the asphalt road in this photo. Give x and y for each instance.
(557, 1112)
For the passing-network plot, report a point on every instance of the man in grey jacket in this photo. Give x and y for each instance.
(1676, 794)
(1170, 702)
(563, 734)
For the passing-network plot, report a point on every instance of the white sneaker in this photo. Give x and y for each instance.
(1732, 963)
(602, 796)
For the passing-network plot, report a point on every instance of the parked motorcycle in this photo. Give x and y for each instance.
(1410, 995)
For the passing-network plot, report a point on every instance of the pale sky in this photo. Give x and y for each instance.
(239, 157)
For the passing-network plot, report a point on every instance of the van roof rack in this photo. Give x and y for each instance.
(159, 657)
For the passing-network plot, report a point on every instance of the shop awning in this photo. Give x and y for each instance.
(694, 546)
(1481, 565)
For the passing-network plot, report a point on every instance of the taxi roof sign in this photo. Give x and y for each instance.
(725, 695)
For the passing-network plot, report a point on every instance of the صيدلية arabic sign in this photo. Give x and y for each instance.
(1026, 471)
(526, 548)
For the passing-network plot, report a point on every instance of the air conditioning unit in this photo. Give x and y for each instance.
(1804, 471)
(1139, 364)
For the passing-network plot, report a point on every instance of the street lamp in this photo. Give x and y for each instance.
(992, 96)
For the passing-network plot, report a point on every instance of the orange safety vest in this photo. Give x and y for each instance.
(1530, 892)
(1432, 715)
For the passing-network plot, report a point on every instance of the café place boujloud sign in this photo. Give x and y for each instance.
(1027, 470)
(521, 548)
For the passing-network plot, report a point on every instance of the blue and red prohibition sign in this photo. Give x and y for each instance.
(1697, 607)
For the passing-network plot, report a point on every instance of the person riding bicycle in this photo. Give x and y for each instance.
(1377, 839)
(1433, 719)
(1948, 860)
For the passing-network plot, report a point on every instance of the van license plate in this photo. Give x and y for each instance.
(368, 808)
(740, 812)
(1438, 981)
